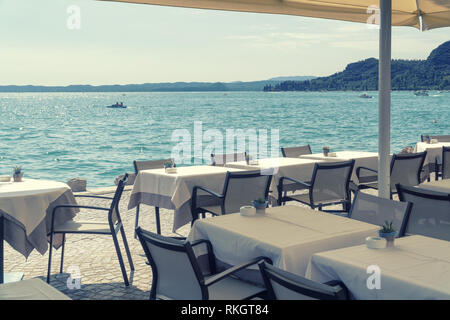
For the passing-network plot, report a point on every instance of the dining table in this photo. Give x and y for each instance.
(438, 185)
(433, 150)
(362, 159)
(156, 187)
(288, 235)
(25, 216)
(415, 268)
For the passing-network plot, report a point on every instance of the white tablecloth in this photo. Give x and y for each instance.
(288, 235)
(433, 150)
(157, 188)
(300, 169)
(439, 186)
(362, 159)
(416, 267)
(27, 207)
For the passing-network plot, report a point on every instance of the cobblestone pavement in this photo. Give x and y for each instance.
(96, 259)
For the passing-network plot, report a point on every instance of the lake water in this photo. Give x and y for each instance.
(65, 135)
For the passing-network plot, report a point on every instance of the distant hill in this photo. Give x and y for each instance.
(430, 74)
(151, 87)
(295, 78)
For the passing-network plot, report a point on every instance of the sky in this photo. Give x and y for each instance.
(120, 43)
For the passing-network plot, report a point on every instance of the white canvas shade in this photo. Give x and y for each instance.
(421, 14)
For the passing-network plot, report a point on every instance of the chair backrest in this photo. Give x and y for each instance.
(330, 181)
(376, 210)
(176, 274)
(114, 215)
(430, 212)
(241, 188)
(406, 168)
(221, 159)
(442, 138)
(445, 162)
(295, 152)
(150, 164)
(283, 285)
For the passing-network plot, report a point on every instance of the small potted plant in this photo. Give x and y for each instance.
(427, 138)
(388, 232)
(326, 151)
(18, 174)
(260, 205)
(169, 166)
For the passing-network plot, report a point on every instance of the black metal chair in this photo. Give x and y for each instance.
(295, 152)
(376, 210)
(442, 164)
(283, 285)
(111, 226)
(240, 189)
(430, 213)
(405, 169)
(148, 165)
(329, 186)
(222, 159)
(178, 275)
(442, 138)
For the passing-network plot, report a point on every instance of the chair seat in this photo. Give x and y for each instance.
(233, 289)
(32, 289)
(305, 199)
(373, 185)
(216, 210)
(294, 186)
(83, 227)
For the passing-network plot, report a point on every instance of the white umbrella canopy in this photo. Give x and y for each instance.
(421, 14)
(434, 13)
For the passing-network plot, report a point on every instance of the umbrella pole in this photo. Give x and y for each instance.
(384, 99)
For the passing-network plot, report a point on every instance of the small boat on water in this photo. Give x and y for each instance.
(421, 93)
(365, 96)
(117, 106)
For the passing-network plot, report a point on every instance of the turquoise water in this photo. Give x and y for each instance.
(64, 135)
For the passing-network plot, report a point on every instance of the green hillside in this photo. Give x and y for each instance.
(430, 74)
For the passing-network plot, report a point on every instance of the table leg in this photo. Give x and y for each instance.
(10, 276)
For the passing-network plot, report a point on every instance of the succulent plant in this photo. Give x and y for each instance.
(168, 164)
(17, 170)
(387, 227)
(326, 148)
(260, 201)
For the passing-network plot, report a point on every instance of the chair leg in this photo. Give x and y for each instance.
(119, 256)
(62, 253)
(158, 223)
(127, 249)
(136, 222)
(50, 258)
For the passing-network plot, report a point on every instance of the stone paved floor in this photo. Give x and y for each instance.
(95, 257)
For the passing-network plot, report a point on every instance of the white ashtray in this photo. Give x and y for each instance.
(332, 154)
(5, 178)
(433, 141)
(247, 211)
(375, 243)
(171, 170)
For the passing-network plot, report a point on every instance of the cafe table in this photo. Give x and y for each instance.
(296, 168)
(433, 150)
(362, 159)
(25, 216)
(438, 185)
(157, 188)
(415, 268)
(288, 235)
